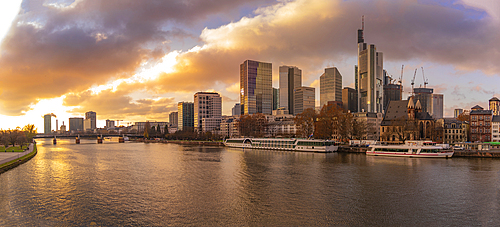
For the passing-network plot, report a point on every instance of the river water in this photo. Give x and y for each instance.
(138, 184)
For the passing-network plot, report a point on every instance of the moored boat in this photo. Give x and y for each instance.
(410, 151)
(287, 144)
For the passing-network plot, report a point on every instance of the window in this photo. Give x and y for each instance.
(480, 117)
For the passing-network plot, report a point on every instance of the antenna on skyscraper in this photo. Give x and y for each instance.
(363, 22)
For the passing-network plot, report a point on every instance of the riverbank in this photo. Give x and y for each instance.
(9, 160)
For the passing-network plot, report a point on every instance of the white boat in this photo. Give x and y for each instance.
(409, 151)
(114, 139)
(291, 144)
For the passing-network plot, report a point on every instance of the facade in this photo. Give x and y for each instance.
(276, 98)
(207, 105)
(350, 99)
(139, 126)
(92, 116)
(173, 118)
(373, 122)
(75, 124)
(63, 129)
(110, 123)
(437, 106)
(256, 87)
(87, 125)
(330, 86)
(304, 99)
(229, 127)
(369, 77)
(392, 92)
(454, 131)
(457, 112)
(236, 110)
(495, 129)
(185, 116)
(47, 124)
(290, 78)
(281, 125)
(480, 124)
(424, 95)
(495, 106)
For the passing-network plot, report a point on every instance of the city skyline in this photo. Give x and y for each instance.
(54, 59)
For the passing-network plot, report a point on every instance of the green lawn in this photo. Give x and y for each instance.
(13, 149)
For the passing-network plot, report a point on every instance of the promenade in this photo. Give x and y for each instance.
(9, 156)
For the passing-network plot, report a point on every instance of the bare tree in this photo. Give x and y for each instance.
(305, 123)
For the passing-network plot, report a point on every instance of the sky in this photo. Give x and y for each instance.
(134, 60)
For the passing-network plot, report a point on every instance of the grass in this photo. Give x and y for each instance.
(9, 165)
(13, 149)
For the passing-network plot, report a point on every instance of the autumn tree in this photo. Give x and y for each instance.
(359, 129)
(29, 131)
(328, 122)
(463, 117)
(305, 122)
(146, 130)
(344, 125)
(165, 130)
(253, 125)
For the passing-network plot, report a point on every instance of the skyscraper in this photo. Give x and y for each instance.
(424, 95)
(256, 87)
(47, 123)
(495, 106)
(290, 79)
(186, 115)
(207, 105)
(369, 76)
(92, 116)
(173, 118)
(330, 86)
(75, 124)
(304, 99)
(350, 99)
(457, 112)
(437, 106)
(236, 110)
(276, 98)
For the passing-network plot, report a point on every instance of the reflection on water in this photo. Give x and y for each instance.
(166, 184)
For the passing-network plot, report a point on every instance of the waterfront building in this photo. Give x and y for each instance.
(330, 86)
(495, 106)
(92, 116)
(453, 130)
(281, 111)
(75, 124)
(369, 76)
(229, 126)
(276, 98)
(173, 118)
(186, 116)
(256, 87)
(304, 99)
(110, 123)
(373, 121)
(290, 78)
(236, 110)
(480, 124)
(437, 106)
(457, 112)
(350, 99)
(495, 129)
(281, 125)
(47, 123)
(207, 105)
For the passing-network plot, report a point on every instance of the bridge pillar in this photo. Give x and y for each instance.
(77, 140)
(54, 141)
(121, 140)
(99, 139)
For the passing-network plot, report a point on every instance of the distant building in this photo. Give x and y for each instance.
(186, 115)
(290, 78)
(236, 110)
(207, 111)
(392, 92)
(281, 111)
(75, 124)
(424, 95)
(437, 106)
(110, 123)
(350, 99)
(87, 124)
(47, 123)
(372, 121)
(495, 106)
(63, 128)
(229, 127)
(304, 99)
(330, 86)
(495, 129)
(92, 116)
(457, 112)
(173, 118)
(276, 98)
(480, 121)
(140, 126)
(256, 87)
(454, 131)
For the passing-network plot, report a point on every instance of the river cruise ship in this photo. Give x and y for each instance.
(291, 144)
(409, 151)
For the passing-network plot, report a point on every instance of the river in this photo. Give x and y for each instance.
(139, 184)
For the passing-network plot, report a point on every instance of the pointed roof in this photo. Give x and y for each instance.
(411, 105)
(494, 99)
(477, 107)
(418, 106)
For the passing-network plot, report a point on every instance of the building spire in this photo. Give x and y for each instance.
(363, 22)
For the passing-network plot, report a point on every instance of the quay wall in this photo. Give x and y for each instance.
(183, 142)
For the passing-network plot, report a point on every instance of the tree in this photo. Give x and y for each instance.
(359, 129)
(344, 125)
(463, 117)
(29, 131)
(146, 130)
(253, 125)
(165, 130)
(328, 122)
(305, 123)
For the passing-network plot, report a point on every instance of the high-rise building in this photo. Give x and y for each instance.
(75, 124)
(110, 123)
(256, 87)
(392, 92)
(350, 99)
(63, 128)
(93, 119)
(330, 86)
(87, 124)
(47, 123)
(457, 112)
(304, 99)
(437, 106)
(290, 79)
(369, 76)
(276, 98)
(173, 118)
(207, 105)
(186, 115)
(424, 95)
(236, 110)
(495, 106)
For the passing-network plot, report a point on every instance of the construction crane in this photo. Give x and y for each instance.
(413, 82)
(118, 122)
(400, 81)
(425, 80)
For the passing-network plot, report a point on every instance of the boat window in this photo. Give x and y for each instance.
(390, 149)
(429, 151)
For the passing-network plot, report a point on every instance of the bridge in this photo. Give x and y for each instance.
(86, 136)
